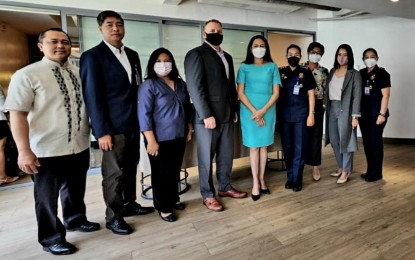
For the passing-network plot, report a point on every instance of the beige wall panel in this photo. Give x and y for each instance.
(280, 41)
(14, 52)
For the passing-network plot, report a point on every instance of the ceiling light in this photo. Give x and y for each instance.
(395, 0)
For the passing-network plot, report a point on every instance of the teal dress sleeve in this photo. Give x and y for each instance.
(241, 74)
(276, 79)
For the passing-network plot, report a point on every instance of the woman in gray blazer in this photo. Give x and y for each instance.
(343, 106)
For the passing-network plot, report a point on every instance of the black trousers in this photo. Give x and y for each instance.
(119, 171)
(372, 135)
(315, 136)
(165, 174)
(65, 175)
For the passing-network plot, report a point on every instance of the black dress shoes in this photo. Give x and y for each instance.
(265, 191)
(133, 208)
(179, 206)
(372, 178)
(369, 177)
(170, 218)
(85, 227)
(119, 226)
(288, 185)
(62, 248)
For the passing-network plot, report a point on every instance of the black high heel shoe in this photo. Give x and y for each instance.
(170, 218)
(255, 197)
(265, 191)
(288, 185)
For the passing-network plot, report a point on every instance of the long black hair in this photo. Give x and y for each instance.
(250, 57)
(350, 56)
(151, 74)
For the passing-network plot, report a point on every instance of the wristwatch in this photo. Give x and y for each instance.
(354, 117)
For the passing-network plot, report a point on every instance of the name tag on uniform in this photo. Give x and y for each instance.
(296, 90)
(367, 91)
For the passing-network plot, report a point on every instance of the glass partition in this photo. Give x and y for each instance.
(143, 37)
(179, 39)
(235, 42)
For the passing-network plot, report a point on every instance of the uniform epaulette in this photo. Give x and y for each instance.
(283, 67)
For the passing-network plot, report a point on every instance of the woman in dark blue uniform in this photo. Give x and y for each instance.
(374, 108)
(296, 113)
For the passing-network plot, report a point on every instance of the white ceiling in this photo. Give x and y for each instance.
(34, 23)
(403, 8)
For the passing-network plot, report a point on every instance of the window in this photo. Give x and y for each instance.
(143, 37)
(235, 42)
(179, 39)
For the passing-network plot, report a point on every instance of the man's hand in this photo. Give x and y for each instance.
(28, 162)
(210, 122)
(355, 123)
(105, 143)
(235, 119)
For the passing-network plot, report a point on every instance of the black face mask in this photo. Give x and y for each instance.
(214, 38)
(293, 61)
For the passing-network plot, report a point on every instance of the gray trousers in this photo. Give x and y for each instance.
(211, 142)
(344, 160)
(119, 170)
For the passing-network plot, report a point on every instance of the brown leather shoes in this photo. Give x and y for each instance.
(233, 193)
(213, 204)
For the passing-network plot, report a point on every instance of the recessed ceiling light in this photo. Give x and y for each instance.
(395, 0)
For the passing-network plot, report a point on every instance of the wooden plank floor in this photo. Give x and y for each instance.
(357, 220)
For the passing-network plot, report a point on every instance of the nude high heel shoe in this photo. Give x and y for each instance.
(341, 181)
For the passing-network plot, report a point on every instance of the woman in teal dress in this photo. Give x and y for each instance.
(258, 90)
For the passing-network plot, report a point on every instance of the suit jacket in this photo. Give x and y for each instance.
(212, 93)
(350, 105)
(109, 96)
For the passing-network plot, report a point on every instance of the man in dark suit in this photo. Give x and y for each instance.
(211, 83)
(111, 74)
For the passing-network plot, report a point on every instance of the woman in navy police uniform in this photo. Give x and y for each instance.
(296, 113)
(374, 108)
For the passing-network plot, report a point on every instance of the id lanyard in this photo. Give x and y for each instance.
(297, 87)
(367, 88)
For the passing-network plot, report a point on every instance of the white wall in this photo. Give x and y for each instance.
(394, 40)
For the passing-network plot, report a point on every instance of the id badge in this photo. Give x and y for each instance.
(367, 91)
(296, 90)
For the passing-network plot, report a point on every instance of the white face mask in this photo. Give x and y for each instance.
(370, 62)
(162, 68)
(314, 58)
(258, 52)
